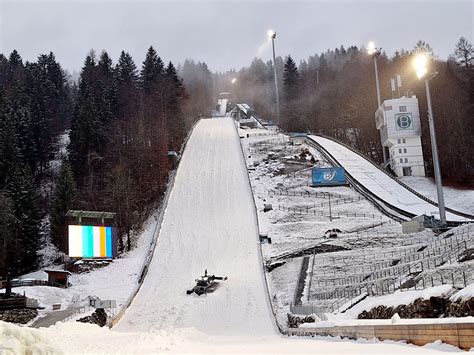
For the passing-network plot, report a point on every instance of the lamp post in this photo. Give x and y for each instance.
(421, 66)
(272, 35)
(233, 95)
(375, 52)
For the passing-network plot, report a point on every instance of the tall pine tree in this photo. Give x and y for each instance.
(25, 197)
(65, 194)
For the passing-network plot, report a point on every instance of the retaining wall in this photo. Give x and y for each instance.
(457, 334)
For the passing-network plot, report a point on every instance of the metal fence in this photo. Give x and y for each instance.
(311, 211)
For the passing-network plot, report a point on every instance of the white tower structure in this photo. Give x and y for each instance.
(398, 121)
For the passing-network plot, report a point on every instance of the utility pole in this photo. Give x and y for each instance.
(375, 52)
(272, 35)
(434, 150)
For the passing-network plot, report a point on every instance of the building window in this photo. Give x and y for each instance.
(403, 140)
(399, 141)
(387, 108)
(406, 160)
(400, 151)
(401, 160)
(404, 150)
(402, 109)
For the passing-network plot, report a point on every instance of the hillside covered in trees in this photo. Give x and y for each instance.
(334, 93)
(120, 121)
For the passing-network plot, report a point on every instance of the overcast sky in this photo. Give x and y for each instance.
(226, 34)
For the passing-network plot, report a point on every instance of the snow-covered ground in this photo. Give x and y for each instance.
(460, 200)
(75, 338)
(210, 223)
(115, 281)
(280, 174)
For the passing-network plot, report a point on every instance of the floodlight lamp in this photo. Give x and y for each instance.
(421, 65)
(371, 48)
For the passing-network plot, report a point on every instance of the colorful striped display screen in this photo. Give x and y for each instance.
(90, 242)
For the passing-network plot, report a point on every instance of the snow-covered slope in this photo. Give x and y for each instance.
(378, 182)
(210, 222)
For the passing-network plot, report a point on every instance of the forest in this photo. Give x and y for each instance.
(334, 93)
(118, 121)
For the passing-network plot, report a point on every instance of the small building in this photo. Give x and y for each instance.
(246, 117)
(413, 226)
(297, 138)
(58, 276)
(398, 121)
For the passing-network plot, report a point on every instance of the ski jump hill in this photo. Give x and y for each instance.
(389, 194)
(209, 223)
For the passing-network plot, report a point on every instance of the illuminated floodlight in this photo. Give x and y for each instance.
(233, 80)
(371, 48)
(421, 64)
(271, 34)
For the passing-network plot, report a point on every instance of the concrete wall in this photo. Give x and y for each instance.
(457, 334)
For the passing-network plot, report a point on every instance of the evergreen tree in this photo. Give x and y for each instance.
(291, 91)
(174, 94)
(63, 200)
(8, 234)
(290, 80)
(127, 70)
(9, 152)
(152, 71)
(105, 66)
(23, 193)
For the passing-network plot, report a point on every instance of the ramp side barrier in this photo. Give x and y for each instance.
(389, 210)
(389, 174)
(257, 238)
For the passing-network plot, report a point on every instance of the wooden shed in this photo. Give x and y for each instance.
(58, 276)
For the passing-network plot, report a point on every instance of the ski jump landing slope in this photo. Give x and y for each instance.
(209, 223)
(378, 183)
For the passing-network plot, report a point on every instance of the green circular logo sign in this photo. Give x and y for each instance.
(404, 122)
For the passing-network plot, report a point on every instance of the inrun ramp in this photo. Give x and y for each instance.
(378, 183)
(209, 223)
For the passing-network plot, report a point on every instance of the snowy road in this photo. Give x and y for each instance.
(381, 185)
(209, 223)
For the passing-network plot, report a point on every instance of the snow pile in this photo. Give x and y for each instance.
(465, 293)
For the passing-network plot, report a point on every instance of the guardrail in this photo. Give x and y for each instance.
(257, 237)
(25, 283)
